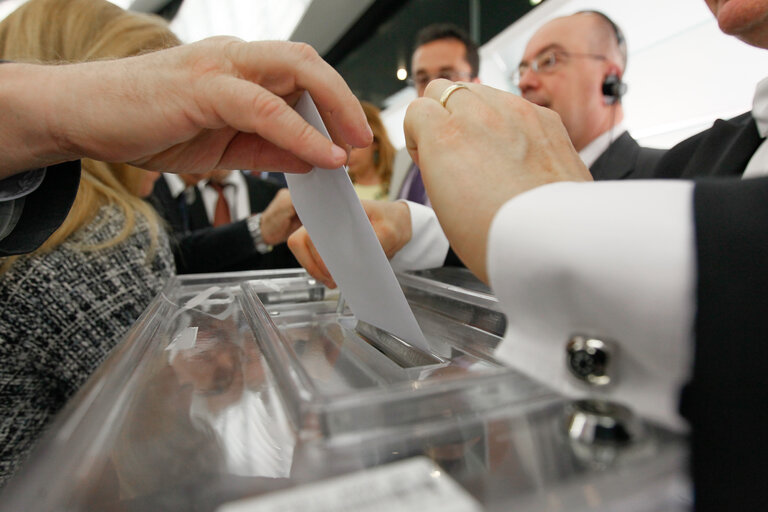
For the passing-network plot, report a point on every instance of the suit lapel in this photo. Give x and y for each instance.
(198, 217)
(726, 149)
(260, 192)
(617, 161)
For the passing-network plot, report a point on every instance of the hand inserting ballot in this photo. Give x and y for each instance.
(219, 103)
(484, 147)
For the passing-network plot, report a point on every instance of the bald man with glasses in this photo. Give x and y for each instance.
(574, 65)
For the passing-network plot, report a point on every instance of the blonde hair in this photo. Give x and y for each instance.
(68, 31)
(386, 149)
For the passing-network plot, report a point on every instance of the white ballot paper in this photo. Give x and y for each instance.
(334, 217)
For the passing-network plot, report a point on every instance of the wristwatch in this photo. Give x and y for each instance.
(254, 227)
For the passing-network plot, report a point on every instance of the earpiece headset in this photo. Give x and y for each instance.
(613, 87)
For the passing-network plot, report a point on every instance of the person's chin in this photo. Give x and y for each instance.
(538, 101)
(745, 19)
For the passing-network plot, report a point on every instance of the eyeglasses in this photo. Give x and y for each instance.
(421, 80)
(548, 62)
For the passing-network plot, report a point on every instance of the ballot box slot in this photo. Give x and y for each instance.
(395, 348)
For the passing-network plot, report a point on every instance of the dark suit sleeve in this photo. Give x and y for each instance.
(675, 161)
(216, 249)
(647, 160)
(625, 159)
(726, 400)
(724, 150)
(261, 192)
(44, 209)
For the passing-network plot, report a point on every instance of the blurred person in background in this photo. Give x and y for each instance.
(441, 50)
(370, 168)
(68, 303)
(249, 216)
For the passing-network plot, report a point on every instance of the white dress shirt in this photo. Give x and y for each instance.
(428, 246)
(235, 192)
(175, 184)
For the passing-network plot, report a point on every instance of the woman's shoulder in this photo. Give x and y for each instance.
(131, 263)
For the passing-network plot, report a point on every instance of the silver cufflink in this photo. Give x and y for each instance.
(591, 360)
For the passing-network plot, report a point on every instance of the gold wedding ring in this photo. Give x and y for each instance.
(450, 90)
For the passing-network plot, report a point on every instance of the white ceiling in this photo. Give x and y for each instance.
(325, 21)
(250, 20)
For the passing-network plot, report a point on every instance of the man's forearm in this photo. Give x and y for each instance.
(27, 92)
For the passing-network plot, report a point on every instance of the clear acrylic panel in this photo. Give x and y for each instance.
(236, 385)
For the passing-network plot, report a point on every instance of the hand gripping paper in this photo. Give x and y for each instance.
(326, 203)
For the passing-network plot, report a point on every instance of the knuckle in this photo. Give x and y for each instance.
(386, 234)
(304, 135)
(436, 85)
(268, 106)
(305, 51)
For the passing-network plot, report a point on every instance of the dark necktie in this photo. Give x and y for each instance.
(221, 214)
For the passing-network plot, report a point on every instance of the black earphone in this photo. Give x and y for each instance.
(613, 88)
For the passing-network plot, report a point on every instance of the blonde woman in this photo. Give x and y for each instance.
(370, 168)
(64, 306)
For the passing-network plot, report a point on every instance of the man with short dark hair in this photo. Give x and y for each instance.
(441, 50)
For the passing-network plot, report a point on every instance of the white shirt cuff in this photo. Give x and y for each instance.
(428, 246)
(612, 260)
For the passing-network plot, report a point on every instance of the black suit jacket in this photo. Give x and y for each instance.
(625, 159)
(723, 150)
(199, 247)
(726, 400)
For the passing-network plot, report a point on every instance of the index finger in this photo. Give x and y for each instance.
(310, 72)
(423, 118)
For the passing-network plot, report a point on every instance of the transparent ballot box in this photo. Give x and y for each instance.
(261, 391)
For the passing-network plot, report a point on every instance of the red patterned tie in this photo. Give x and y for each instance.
(221, 215)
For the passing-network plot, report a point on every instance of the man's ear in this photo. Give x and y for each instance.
(613, 88)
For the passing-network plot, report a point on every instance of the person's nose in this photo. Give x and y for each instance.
(529, 80)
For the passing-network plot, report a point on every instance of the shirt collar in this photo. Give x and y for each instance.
(597, 147)
(760, 107)
(175, 184)
(235, 179)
